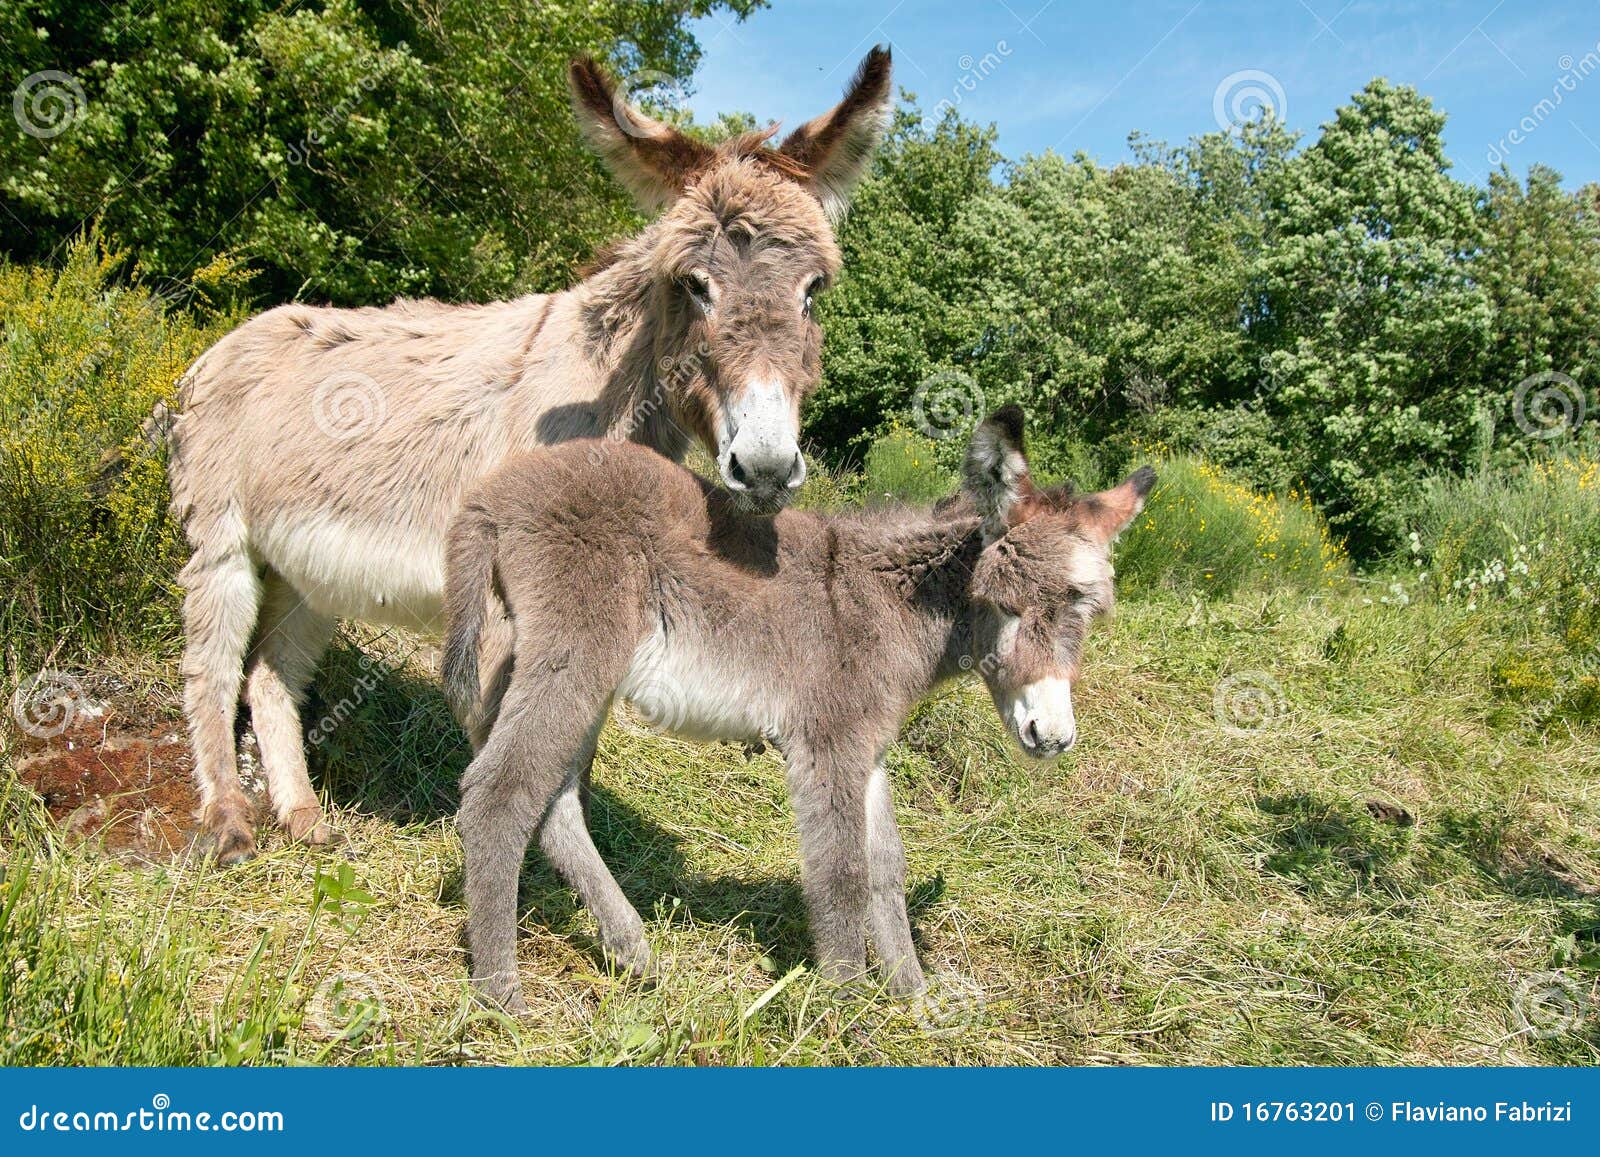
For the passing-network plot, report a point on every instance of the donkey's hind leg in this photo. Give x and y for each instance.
(290, 640)
(222, 595)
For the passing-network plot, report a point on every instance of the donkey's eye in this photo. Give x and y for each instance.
(817, 286)
(698, 288)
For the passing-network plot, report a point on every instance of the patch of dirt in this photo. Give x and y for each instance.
(116, 782)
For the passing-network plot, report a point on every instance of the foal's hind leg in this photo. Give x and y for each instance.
(522, 782)
(496, 661)
(221, 597)
(289, 643)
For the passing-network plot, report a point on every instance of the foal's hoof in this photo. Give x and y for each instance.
(637, 962)
(502, 998)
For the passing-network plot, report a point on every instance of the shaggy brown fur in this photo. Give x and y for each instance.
(815, 633)
(321, 452)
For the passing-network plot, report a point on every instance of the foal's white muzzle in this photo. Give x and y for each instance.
(758, 453)
(1041, 718)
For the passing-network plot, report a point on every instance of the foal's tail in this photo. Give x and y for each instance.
(469, 579)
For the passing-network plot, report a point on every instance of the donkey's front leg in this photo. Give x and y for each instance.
(886, 873)
(830, 813)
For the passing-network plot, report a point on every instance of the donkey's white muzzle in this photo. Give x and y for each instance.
(1042, 718)
(759, 452)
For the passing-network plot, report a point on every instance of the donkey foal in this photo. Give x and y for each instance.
(644, 582)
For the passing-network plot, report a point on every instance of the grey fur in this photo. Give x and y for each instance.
(816, 633)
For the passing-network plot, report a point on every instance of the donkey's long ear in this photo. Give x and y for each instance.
(654, 160)
(837, 146)
(1108, 513)
(996, 470)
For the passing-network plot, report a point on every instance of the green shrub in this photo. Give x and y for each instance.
(903, 466)
(87, 557)
(1528, 541)
(1205, 531)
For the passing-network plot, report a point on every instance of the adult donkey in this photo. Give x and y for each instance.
(320, 453)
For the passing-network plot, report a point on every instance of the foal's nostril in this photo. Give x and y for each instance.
(737, 478)
(1030, 733)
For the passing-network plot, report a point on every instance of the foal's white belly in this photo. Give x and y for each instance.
(672, 689)
(380, 574)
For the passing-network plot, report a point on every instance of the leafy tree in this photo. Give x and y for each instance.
(900, 313)
(1374, 327)
(1538, 267)
(352, 150)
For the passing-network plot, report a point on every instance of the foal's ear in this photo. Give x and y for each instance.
(996, 470)
(653, 160)
(1108, 513)
(837, 146)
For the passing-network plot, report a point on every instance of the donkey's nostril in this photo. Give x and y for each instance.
(797, 472)
(1030, 733)
(737, 478)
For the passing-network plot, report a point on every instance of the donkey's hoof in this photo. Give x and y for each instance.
(308, 826)
(233, 846)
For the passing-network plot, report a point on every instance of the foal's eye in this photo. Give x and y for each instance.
(698, 288)
(817, 286)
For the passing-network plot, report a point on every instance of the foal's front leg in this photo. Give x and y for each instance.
(886, 873)
(829, 796)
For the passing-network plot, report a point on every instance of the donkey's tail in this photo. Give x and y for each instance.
(469, 580)
(155, 433)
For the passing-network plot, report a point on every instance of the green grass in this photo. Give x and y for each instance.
(1200, 881)
(1314, 817)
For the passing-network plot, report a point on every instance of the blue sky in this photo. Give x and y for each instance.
(1074, 76)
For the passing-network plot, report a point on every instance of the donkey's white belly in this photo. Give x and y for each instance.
(674, 689)
(382, 574)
